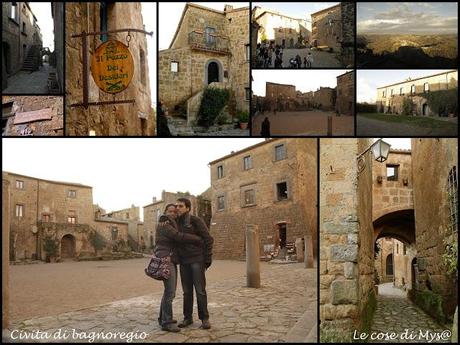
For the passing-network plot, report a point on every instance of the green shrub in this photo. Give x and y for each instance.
(443, 102)
(407, 106)
(97, 241)
(212, 103)
(431, 304)
(50, 246)
(366, 108)
(243, 116)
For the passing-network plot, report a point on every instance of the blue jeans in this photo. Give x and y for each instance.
(193, 275)
(166, 308)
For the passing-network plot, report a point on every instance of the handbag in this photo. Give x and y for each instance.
(158, 268)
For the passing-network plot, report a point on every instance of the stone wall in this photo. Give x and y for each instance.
(325, 34)
(432, 160)
(51, 127)
(58, 11)
(114, 120)
(345, 102)
(325, 98)
(388, 195)
(6, 216)
(298, 210)
(346, 251)
(385, 248)
(347, 12)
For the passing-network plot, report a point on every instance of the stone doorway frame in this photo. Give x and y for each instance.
(73, 245)
(220, 71)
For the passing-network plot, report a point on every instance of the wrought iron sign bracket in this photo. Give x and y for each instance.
(84, 40)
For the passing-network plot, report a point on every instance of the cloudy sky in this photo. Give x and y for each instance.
(149, 15)
(121, 171)
(42, 11)
(370, 80)
(304, 80)
(171, 12)
(407, 17)
(300, 10)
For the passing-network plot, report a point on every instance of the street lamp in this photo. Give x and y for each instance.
(380, 150)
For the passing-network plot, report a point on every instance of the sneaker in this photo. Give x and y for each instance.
(185, 323)
(170, 327)
(205, 324)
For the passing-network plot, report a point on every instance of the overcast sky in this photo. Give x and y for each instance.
(171, 12)
(304, 80)
(149, 14)
(300, 10)
(407, 17)
(370, 80)
(42, 11)
(121, 171)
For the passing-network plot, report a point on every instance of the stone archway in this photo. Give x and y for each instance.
(68, 246)
(213, 72)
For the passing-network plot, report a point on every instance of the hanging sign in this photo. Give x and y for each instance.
(112, 66)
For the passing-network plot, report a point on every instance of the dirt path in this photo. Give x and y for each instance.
(49, 289)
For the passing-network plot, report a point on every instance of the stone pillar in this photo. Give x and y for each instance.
(252, 256)
(308, 256)
(5, 253)
(299, 249)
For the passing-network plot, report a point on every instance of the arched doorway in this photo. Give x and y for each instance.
(425, 109)
(213, 72)
(68, 246)
(389, 265)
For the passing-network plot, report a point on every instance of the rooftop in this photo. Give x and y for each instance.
(249, 148)
(49, 181)
(428, 76)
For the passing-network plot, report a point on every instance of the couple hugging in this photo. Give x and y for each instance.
(186, 239)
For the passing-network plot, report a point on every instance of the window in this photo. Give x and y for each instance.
(426, 87)
(249, 197)
(452, 199)
(114, 233)
(23, 27)
(404, 249)
(401, 91)
(247, 93)
(247, 163)
(220, 203)
(71, 193)
(248, 52)
(127, 215)
(220, 171)
(142, 66)
(383, 93)
(281, 191)
(210, 38)
(13, 10)
(280, 152)
(19, 184)
(45, 218)
(19, 210)
(103, 14)
(71, 219)
(397, 248)
(412, 89)
(174, 66)
(391, 92)
(392, 172)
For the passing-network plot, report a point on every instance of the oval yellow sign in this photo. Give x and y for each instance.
(112, 66)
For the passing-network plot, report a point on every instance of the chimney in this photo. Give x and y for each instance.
(228, 8)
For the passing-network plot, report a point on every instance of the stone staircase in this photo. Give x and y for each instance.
(32, 60)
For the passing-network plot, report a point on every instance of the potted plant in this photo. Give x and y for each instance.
(243, 118)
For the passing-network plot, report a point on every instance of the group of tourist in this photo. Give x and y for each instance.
(264, 57)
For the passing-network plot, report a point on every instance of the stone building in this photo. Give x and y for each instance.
(271, 184)
(435, 183)
(121, 119)
(391, 98)
(32, 116)
(209, 48)
(325, 98)
(326, 28)
(21, 40)
(58, 14)
(59, 211)
(345, 102)
(280, 96)
(153, 211)
(135, 226)
(347, 41)
(278, 29)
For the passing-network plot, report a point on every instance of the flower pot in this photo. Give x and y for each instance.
(243, 125)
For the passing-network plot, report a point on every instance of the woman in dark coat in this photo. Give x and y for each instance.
(166, 239)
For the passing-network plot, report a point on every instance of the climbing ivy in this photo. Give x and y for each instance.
(443, 102)
(450, 255)
(407, 106)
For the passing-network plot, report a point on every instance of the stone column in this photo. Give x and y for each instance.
(5, 253)
(252, 256)
(308, 256)
(299, 249)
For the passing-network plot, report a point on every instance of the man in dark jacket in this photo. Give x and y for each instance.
(194, 260)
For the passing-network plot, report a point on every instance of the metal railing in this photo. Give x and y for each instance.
(208, 42)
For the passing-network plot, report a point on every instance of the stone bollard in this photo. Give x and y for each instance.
(308, 255)
(299, 249)
(329, 126)
(252, 257)
(5, 253)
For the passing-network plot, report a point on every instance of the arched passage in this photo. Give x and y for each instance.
(68, 246)
(214, 71)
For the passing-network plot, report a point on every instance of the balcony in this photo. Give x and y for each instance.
(208, 42)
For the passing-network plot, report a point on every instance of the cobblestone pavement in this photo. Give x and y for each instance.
(237, 313)
(397, 314)
(308, 123)
(26, 82)
(320, 58)
(374, 127)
